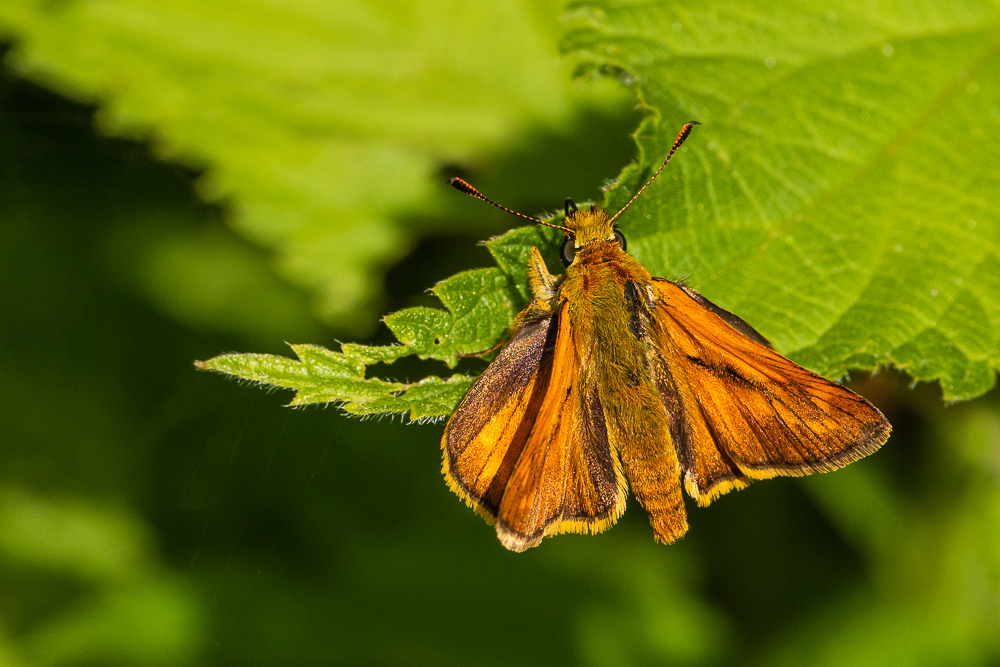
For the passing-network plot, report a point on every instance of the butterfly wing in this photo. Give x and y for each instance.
(567, 478)
(528, 448)
(741, 410)
(485, 435)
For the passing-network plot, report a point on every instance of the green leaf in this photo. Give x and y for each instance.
(128, 609)
(94, 543)
(839, 195)
(836, 197)
(323, 376)
(319, 123)
(480, 306)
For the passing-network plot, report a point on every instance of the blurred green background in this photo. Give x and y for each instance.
(168, 193)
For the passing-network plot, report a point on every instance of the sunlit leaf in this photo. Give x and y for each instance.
(834, 197)
(479, 304)
(838, 196)
(318, 122)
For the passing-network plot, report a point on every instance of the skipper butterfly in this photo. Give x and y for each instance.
(613, 379)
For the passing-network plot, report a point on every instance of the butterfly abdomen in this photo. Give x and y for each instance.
(607, 296)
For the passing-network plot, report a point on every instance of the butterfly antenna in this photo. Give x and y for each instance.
(681, 136)
(462, 186)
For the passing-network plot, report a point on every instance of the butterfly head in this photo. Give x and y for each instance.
(586, 227)
(591, 225)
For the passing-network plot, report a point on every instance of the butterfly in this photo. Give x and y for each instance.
(614, 379)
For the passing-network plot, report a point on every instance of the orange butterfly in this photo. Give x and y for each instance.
(613, 378)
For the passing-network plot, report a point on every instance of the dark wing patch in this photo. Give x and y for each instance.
(635, 309)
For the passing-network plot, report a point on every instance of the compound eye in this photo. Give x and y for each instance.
(621, 239)
(568, 252)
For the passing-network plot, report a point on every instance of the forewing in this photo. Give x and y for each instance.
(485, 435)
(735, 321)
(745, 411)
(567, 478)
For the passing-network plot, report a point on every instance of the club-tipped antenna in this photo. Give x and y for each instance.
(681, 136)
(462, 186)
